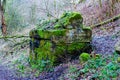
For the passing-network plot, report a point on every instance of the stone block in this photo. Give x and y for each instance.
(67, 35)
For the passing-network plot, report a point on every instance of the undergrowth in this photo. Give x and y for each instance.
(24, 68)
(106, 67)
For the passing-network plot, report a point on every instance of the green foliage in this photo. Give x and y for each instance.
(21, 63)
(21, 68)
(42, 65)
(102, 68)
(73, 72)
(24, 67)
(72, 69)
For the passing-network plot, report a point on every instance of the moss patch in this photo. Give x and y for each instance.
(67, 19)
(84, 57)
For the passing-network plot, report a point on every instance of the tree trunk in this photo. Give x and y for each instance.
(107, 21)
(2, 11)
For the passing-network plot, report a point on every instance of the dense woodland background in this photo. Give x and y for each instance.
(21, 16)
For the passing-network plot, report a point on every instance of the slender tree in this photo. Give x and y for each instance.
(2, 11)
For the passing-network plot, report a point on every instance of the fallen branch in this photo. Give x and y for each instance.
(107, 21)
(17, 36)
(18, 46)
(22, 42)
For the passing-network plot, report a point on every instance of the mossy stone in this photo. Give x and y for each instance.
(84, 57)
(66, 37)
(67, 19)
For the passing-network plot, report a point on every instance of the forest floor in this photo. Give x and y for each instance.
(104, 39)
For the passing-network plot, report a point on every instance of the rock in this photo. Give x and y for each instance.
(117, 47)
(67, 36)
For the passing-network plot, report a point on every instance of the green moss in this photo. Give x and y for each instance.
(57, 26)
(44, 52)
(31, 33)
(58, 32)
(76, 46)
(74, 16)
(84, 57)
(71, 15)
(67, 18)
(60, 50)
(88, 32)
(49, 33)
(86, 28)
(44, 34)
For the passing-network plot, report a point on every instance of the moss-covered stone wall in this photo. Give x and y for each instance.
(67, 36)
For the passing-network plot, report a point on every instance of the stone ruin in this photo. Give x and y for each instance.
(67, 36)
